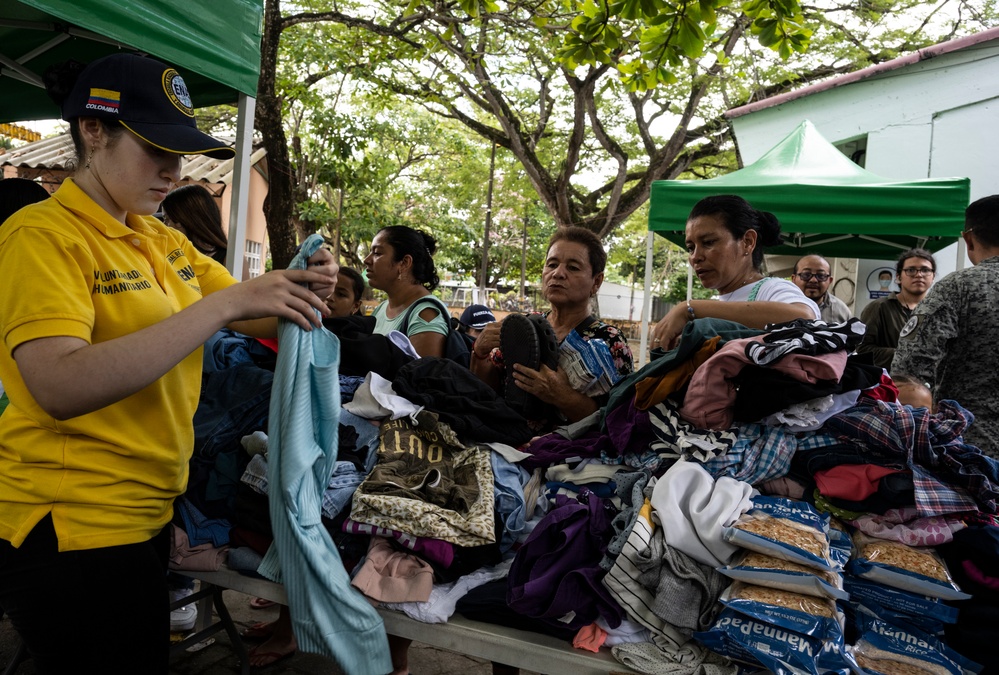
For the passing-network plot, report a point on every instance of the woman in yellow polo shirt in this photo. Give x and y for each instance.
(102, 317)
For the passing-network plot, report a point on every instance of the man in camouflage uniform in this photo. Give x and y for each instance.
(952, 339)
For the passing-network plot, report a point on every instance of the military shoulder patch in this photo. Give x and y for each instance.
(909, 326)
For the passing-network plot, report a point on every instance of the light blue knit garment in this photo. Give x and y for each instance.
(329, 616)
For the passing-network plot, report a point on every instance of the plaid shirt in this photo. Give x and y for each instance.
(759, 454)
(949, 476)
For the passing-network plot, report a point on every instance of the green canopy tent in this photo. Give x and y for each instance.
(825, 203)
(215, 46)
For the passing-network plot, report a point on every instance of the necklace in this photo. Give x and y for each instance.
(908, 303)
(745, 281)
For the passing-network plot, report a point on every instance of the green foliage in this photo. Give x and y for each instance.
(392, 107)
(217, 119)
(649, 41)
(676, 288)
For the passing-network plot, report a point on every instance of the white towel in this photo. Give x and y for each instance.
(694, 508)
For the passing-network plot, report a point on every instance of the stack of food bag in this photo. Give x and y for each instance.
(781, 611)
(897, 609)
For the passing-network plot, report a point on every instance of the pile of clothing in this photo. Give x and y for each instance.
(746, 483)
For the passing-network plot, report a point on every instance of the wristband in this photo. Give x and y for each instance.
(690, 312)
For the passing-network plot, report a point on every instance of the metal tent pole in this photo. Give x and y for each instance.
(240, 199)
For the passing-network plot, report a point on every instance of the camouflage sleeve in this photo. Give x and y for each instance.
(923, 342)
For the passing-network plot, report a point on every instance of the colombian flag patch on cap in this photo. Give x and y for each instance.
(106, 99)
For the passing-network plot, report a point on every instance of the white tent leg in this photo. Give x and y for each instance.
(240, 198)
(962, 252)
(647, 300)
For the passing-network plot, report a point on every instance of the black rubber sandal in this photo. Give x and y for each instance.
(519, 344)
(547, 342)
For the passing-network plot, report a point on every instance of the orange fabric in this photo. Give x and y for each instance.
(654, 390)
(590, 638)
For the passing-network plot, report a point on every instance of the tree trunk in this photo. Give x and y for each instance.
(279, 204)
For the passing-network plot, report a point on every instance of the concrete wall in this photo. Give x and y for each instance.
(256, 224)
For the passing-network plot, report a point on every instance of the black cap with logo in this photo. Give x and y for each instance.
(477, 316)
(147, 97)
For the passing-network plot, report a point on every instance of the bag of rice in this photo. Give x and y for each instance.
(758, 643)
(875, 595)
(805, 614)
(765, 570)
(888, 649)
(917, 570)
(784, 528)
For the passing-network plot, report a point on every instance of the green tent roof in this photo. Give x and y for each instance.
(825, 203)
(215, 45)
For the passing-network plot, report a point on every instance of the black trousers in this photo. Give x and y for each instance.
(100, 610)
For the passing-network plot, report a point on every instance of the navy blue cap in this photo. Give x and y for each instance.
(477, 316)
(147, 97)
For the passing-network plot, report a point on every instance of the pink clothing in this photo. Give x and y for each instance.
(388, 575)
(906, 526)
(711, 394)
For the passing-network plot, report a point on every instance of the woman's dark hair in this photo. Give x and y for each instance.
(580, 235)
(59, 80)
(739, 217)
(914, 253)
(194, 207)
(356, 281)
(16, 193)
(419, 246)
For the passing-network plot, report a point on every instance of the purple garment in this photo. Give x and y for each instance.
(629, 429)
(932, 446)
(557, 570)
(711, 392)
(432, 550)
(555, 449)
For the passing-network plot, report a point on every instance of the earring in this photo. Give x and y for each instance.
(90, 156)
(399, 278)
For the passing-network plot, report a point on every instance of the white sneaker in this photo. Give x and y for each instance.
(182, 619)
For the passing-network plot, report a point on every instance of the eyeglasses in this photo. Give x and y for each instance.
(918, 271)
(808, 276)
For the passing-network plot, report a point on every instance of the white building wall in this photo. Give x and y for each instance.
(620, 302)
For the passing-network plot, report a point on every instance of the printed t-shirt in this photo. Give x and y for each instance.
(108, 477)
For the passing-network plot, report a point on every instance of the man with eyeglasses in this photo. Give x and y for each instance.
(952, 340)
(885, 317)
(811, 275)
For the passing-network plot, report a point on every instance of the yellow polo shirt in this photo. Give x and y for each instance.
(68, 268)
